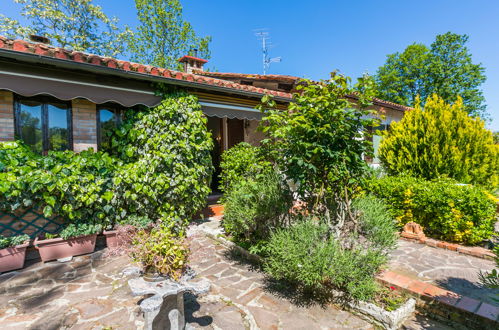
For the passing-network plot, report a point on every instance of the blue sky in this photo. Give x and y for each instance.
(316, 37)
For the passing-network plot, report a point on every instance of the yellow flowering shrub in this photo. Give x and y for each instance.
(441, 140)
(446, 210)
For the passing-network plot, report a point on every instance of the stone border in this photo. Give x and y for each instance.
(390, 320)
(474, 251)
(414, 232)
(445, 305)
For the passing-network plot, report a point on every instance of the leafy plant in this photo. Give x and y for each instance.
(6, 242)
(390, 298)
(79, 229)
(256, 206)
(376, 223)
(445, 209)
(491, 279)
(80, 25)
(319, 144)
(167, 164)
(305, 254)
(161, 250)
(163, 36)
(445, 69)
(239, 163)
(441, 140)
(77, 186)
(139, 222)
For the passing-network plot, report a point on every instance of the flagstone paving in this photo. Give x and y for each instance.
(447, 269)
(90, 292)
(241, 298)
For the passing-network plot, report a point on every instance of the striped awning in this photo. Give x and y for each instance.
(68, 86)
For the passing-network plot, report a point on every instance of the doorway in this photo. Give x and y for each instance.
(225, 133)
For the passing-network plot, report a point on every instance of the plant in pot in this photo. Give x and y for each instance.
(162, 252)
(121, 233)
(76, 239)
(12, 252)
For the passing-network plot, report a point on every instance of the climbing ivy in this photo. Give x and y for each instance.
(167, 163)
(160, 168)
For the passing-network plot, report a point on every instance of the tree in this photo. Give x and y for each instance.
(75, 24)
(446, 69)
(441, 140)
(319, 144)
(163, 36)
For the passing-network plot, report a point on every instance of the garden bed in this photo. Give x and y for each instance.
(388, 310)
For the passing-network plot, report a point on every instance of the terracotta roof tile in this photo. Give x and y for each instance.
(199, 77)
(75, 56)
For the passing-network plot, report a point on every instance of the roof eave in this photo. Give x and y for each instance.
(71, 65)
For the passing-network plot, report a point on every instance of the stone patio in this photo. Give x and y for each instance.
(90, 292)
(447, 269)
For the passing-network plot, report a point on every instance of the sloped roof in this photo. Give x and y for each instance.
(39, 49)
(200, 78)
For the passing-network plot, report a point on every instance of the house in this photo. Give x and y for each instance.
(58, 99)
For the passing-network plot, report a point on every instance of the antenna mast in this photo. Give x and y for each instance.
(266, 44)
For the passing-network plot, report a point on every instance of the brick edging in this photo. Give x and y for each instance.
(474, 251)
(443, 303)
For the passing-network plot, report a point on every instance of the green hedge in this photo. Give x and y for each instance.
(161, 170)
(446, 210)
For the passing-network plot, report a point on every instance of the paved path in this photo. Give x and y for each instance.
(447, 269)
(241, 298)
(87, 293)
(90, 292)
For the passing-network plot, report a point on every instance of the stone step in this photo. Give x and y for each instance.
(213, 210)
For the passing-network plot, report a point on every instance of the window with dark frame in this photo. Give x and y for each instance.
(44, 123)
(108, 119)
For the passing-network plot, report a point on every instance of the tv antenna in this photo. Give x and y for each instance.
(264, 35)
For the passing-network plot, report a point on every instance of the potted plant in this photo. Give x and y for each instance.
(121, 233)
(161, 252)
(12, 252)
(76, 239)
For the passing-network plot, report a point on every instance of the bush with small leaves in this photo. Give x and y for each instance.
(306, 255)
(6, 242)
(160, 250)
(241, 162)
(256, 206)
(445, 209)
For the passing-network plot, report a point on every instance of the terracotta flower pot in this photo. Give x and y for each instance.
(12, 257)
(120, 237)
(111, 238)
(57, 248)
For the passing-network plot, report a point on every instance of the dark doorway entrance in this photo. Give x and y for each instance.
(215, 127)
(235, 128)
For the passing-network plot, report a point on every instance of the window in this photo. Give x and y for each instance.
(108, 119)
(43, 123)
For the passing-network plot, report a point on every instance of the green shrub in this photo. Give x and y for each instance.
(160, 169)
(239, 163)
(167, 170)
(160, 250)
(6, 242)
(441, 140)
(256, 206)
(79, 229)
(305, 254)
(376, 223)
(445, 209)
(77, 186)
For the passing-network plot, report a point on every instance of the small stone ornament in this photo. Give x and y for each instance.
(414, 231)
(164, 308)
